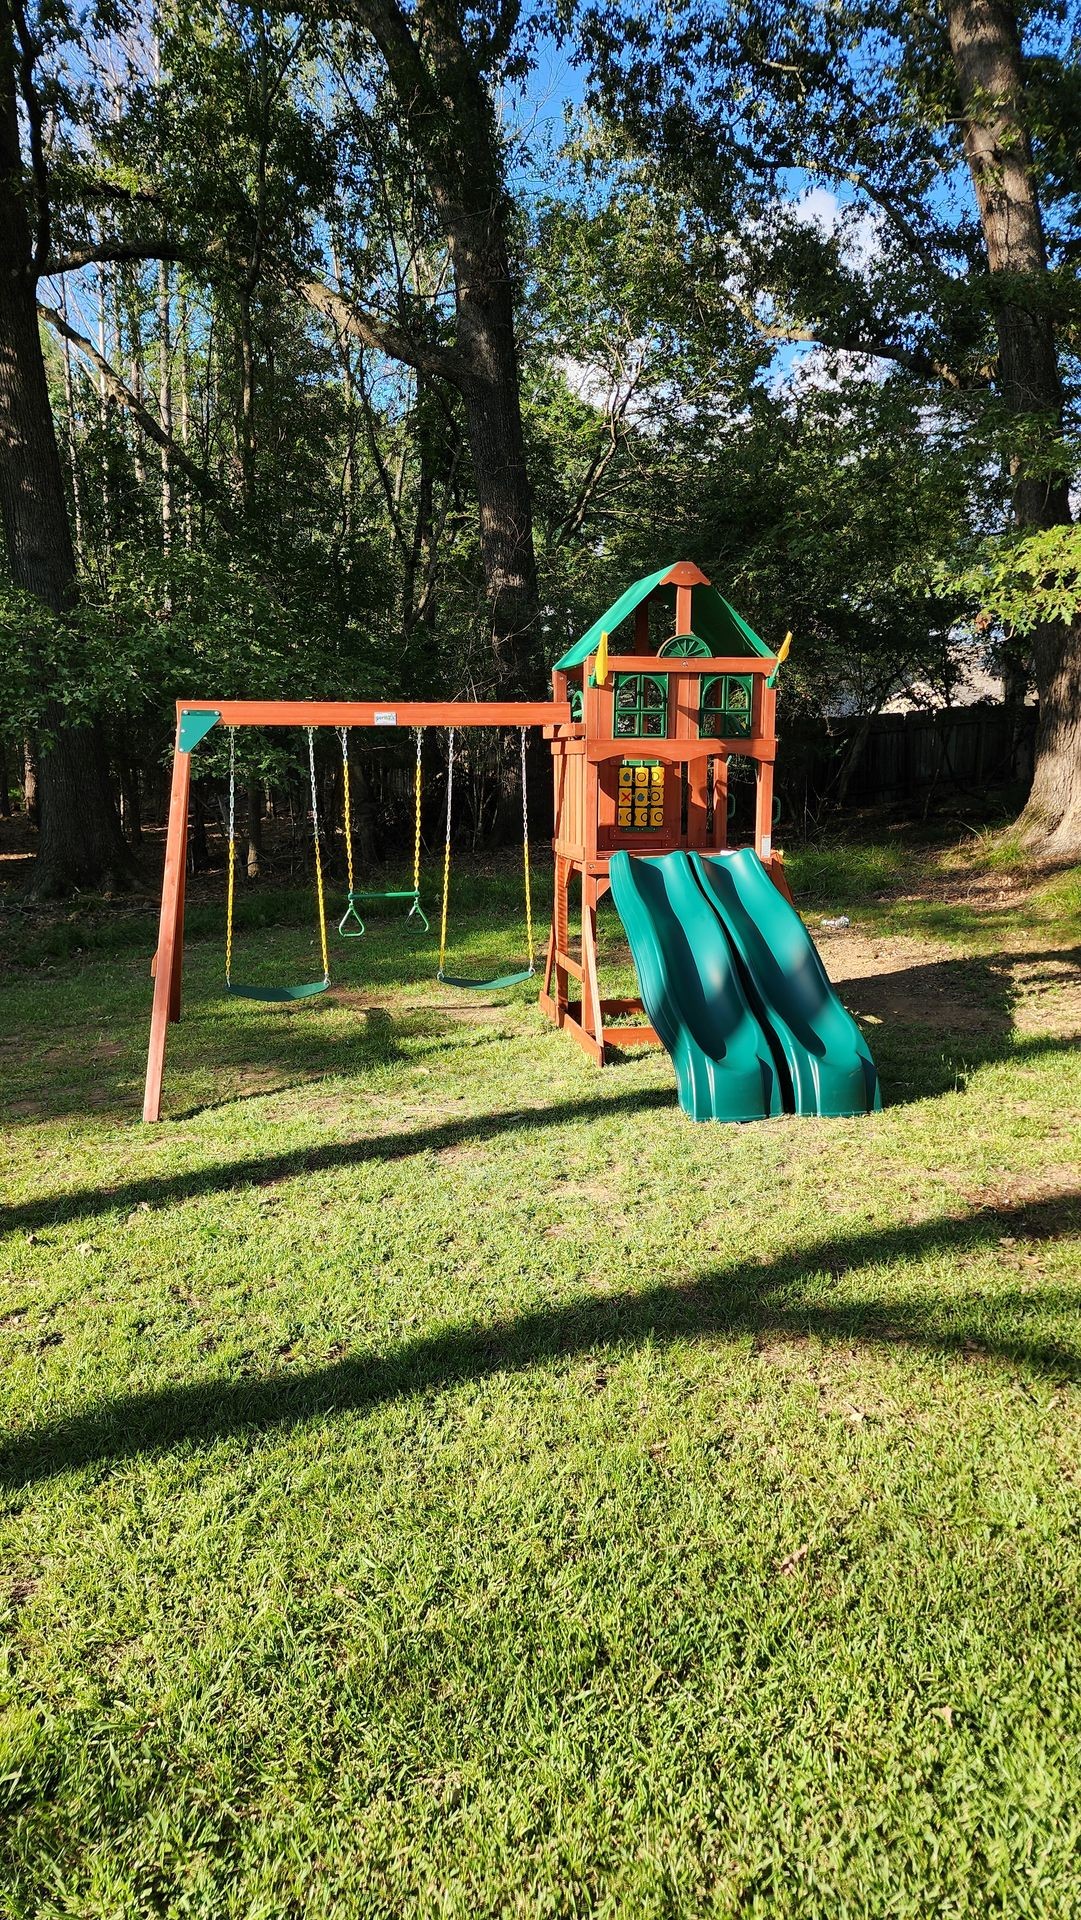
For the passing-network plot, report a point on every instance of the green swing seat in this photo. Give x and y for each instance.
(278, 995)
(495, 985)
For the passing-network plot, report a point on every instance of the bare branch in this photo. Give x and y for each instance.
(98, 252)
(874, 346)
(373, 331)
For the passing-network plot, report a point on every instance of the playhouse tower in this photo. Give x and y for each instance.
(664, 690)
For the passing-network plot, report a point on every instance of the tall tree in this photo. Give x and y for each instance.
(891, 110)
(442, 60)
(80, 843)
(986, 47)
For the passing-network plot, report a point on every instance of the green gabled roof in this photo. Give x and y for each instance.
(712, 618)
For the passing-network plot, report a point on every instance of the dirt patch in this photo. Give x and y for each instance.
(1054, 1194)
(791, 1354)
(912, 983)
(1048, 989)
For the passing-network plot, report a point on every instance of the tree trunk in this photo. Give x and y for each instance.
(30, 783)
(81, 843)
(986, 48)
(447, 105)
(165, 399)
(255, 827)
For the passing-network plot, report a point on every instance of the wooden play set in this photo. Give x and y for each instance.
(640, 739)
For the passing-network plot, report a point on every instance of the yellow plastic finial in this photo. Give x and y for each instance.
(781, 657)
(600, 669)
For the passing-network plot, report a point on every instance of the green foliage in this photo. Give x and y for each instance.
(1022, 581)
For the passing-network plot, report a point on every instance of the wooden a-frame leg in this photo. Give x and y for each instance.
(177, 976)
(168, 959)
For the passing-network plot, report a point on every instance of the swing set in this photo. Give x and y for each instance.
(351, 926)
(641, 736)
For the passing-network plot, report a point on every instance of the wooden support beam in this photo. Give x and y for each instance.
(387, 713)
(169, 958)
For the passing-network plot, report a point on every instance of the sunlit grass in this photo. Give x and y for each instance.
(439, 1478)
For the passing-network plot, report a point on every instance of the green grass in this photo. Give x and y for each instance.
(440, 1479)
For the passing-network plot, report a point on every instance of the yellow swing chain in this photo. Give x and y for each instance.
(231, 887)
(350, 926)
(348, 805)
(416, 809)
(446, 855)
(525, 860)
(318, 861)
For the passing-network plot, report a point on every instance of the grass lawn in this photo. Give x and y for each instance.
(437, 1478)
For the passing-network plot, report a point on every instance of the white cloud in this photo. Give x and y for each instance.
(857, 227)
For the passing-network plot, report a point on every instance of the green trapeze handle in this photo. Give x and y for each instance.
(276, 994)
(381, 893)
(351, 932)
(488, 986)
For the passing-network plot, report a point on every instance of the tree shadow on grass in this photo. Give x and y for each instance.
(930, 1026)
(782, 1300)
(283, 1049)
(159, 1190)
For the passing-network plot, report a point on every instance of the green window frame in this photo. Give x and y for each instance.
(727, 707)
(684, 646)
(640, 706)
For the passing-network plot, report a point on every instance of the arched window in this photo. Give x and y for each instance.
(727, 705)
(641, 706)
(684, 646)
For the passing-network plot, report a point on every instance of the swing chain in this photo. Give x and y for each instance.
(446, 856)
(318, 860)
(416, 907)
(416, 810)
(525, 860)
(350, 926)
(348, 807)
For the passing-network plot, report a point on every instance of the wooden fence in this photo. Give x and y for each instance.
(902, 756)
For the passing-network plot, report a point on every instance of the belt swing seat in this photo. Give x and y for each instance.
(351, 926)
(305, 990)
(500, 980)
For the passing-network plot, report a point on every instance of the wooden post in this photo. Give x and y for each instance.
(169, 957)
(720, 801)
(592, 1018)
(763, 812)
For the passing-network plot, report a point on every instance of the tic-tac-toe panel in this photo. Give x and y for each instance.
(640, 796)
(640, 805)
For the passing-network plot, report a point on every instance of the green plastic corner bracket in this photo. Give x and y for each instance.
(195, 724)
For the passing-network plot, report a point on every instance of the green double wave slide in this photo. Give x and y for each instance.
(735, 988)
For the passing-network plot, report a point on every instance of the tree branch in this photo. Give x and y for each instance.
(102, 251)
(29, 49)
(876, 347)
(206, 488)
(373, 331)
